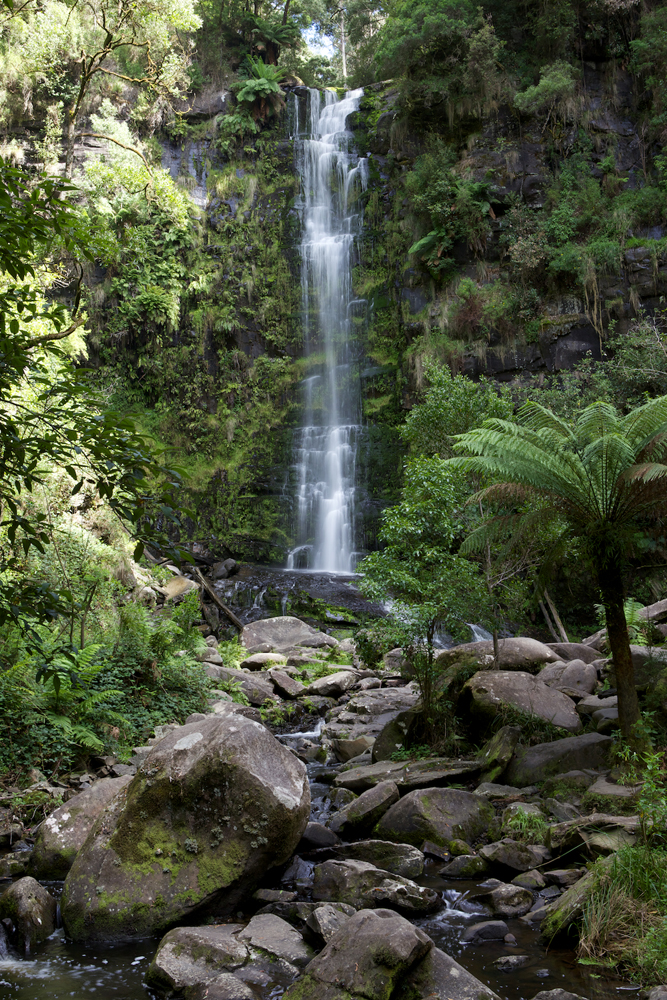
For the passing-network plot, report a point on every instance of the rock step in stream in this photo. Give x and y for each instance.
(230, 863)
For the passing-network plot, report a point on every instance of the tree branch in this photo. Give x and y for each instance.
(132, 149)
(36, 341)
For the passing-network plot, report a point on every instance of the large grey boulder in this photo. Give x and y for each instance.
(399, 859)
(368, 957)
(189, 955)
(578, 678)
(274, 935)
(439, 977)
(436, 772)
(363, 812)
(567, 651)
(256, 687)
(368, 712)
(507, 900)
(63, 832)
(531, 764)
(394, 735)
(32, 912)
(327, 919)
(363, 885)
(440, 815)
(214, 805)
(512, 854)
(489, 692)
(513, 654)
(282, 634)
(226, 986)
(333, 685)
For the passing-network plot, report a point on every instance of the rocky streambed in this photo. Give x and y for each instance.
(229, 862)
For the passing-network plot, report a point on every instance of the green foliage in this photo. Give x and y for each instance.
(648, 769)
(552, 93)
(50, 416)
(639, 628)
(452, 206)
(531, 828)
(452, 404)
(259, 88)
(603, 476)
(623, 922)
(447, 54)
(428, 586)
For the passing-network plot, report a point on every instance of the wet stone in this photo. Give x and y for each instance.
(485, 930)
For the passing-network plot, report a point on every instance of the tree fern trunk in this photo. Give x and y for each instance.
(611, 586)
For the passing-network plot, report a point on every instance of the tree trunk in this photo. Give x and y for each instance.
(611, 587)
(69, 151)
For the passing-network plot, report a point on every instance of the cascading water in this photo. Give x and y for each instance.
(332, 177)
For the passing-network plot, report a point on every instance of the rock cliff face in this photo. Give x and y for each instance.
(522, 294)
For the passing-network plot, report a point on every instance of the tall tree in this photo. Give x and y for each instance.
(604, 475)
(141, 26)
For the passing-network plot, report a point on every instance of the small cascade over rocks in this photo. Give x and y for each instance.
(325, 447)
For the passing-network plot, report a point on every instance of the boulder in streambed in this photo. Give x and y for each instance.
(439, 977)
(490, 692)
(531, 764)
(399, 859)
(190, 955)
(362, 885)
(213, 806)
(465, 866)
(512, 854)
(368, 957)
(32, 912)
(282, 634)
(497, 753)
(64, 831)
(226, 986)
(436, 814)
(567, 651)
(565, 995)
(275, 936)
(360, 815)
(256, 687)
(507, 900)
(513, 654)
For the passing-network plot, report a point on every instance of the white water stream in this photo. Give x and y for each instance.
(332, 178)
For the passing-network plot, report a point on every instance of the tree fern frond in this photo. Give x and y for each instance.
(642, 423)
(595, 422)
(538, 418)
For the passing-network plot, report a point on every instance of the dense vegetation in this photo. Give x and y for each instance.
(515, 226)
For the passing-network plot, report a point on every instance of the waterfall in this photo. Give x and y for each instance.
(325, 448)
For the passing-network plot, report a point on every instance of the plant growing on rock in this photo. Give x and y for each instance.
(260, 87)
(603, 475)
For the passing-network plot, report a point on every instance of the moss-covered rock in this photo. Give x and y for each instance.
(63, 833)
(214, 805)
(436, 814)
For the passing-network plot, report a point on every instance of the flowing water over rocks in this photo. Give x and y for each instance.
(286, 932)
(332, 177)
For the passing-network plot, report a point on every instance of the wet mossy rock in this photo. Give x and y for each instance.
(63, 833)
(32, 912)
(367, 957)
(531, 764)
(436, 814)
(215, 804)
(489, 693)
(497, 753)
(513, 654)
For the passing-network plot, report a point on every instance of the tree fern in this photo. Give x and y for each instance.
(604, 476)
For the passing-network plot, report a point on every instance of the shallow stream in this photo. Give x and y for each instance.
(59, 969)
